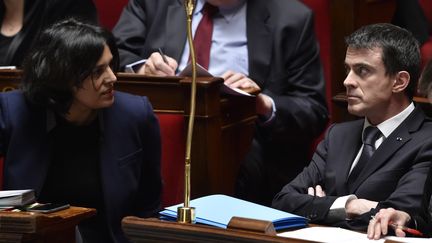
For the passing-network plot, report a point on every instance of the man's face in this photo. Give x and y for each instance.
(97, 90)
(369, 90)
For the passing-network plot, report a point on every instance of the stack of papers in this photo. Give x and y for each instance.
(16, 197)
(217, 210)
(339, 235)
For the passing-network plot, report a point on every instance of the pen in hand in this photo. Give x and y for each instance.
(163, 56)
(405, 229)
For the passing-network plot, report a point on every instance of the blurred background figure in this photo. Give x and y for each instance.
(267, 44)
(22, 20)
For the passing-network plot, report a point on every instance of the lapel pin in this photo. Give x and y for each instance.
(398, 139)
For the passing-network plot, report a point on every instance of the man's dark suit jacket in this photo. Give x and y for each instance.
(129, 153)
(394, 177)
(283, 60)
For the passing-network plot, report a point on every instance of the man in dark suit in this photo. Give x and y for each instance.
(419, 220)
(347, 181)
(266, 44)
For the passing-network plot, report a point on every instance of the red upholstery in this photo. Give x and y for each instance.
(321, 9)
(109, 11)
(427, 8)
(426, 48)
(173, 153)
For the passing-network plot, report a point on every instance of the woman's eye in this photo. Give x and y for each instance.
(98, 72)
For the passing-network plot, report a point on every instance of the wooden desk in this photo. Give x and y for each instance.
(38, 227)
(224, 124)
(154, 230)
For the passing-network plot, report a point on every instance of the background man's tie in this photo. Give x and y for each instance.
(203, 35)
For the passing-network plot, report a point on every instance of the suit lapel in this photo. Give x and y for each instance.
(175, 30)
(260, 40)
(35, 163)
(350, 145)
(398, 138)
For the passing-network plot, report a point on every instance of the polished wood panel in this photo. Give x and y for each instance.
(154, 230)
(38, 227)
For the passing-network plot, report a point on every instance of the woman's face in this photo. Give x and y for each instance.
(97, 90)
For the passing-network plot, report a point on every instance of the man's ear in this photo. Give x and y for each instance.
(401, 81)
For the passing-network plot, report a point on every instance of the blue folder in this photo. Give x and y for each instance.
(217, 210)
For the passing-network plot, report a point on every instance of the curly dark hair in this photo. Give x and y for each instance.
(62, 57)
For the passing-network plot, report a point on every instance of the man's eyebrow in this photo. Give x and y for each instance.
(360, 64)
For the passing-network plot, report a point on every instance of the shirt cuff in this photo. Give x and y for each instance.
(337, 209)
(135, 66)
(264, 121)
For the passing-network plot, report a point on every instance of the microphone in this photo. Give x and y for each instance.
(186, 214)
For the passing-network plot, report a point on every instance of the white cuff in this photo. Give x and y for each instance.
(133, 67)
(341, 202)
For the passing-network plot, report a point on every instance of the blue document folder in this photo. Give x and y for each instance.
(217, 210)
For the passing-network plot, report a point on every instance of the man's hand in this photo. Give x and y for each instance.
(356, 207)
(379, 224)
(317, 191)
(264, 106)
(239, 80)
(155, 66)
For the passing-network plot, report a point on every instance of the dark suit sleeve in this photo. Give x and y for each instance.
(131, 31)
(149, 193)
(411, 193)
(298, 88)
(419, 223)
(422, 220)
(294, 197)
(410, 188)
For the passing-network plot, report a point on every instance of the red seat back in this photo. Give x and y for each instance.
(172, 128)
(109, 11)
(321, 9)
(426, 48)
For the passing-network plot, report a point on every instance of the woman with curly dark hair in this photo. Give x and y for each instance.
(73, 139)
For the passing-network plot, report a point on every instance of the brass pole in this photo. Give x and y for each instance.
(186, 214)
